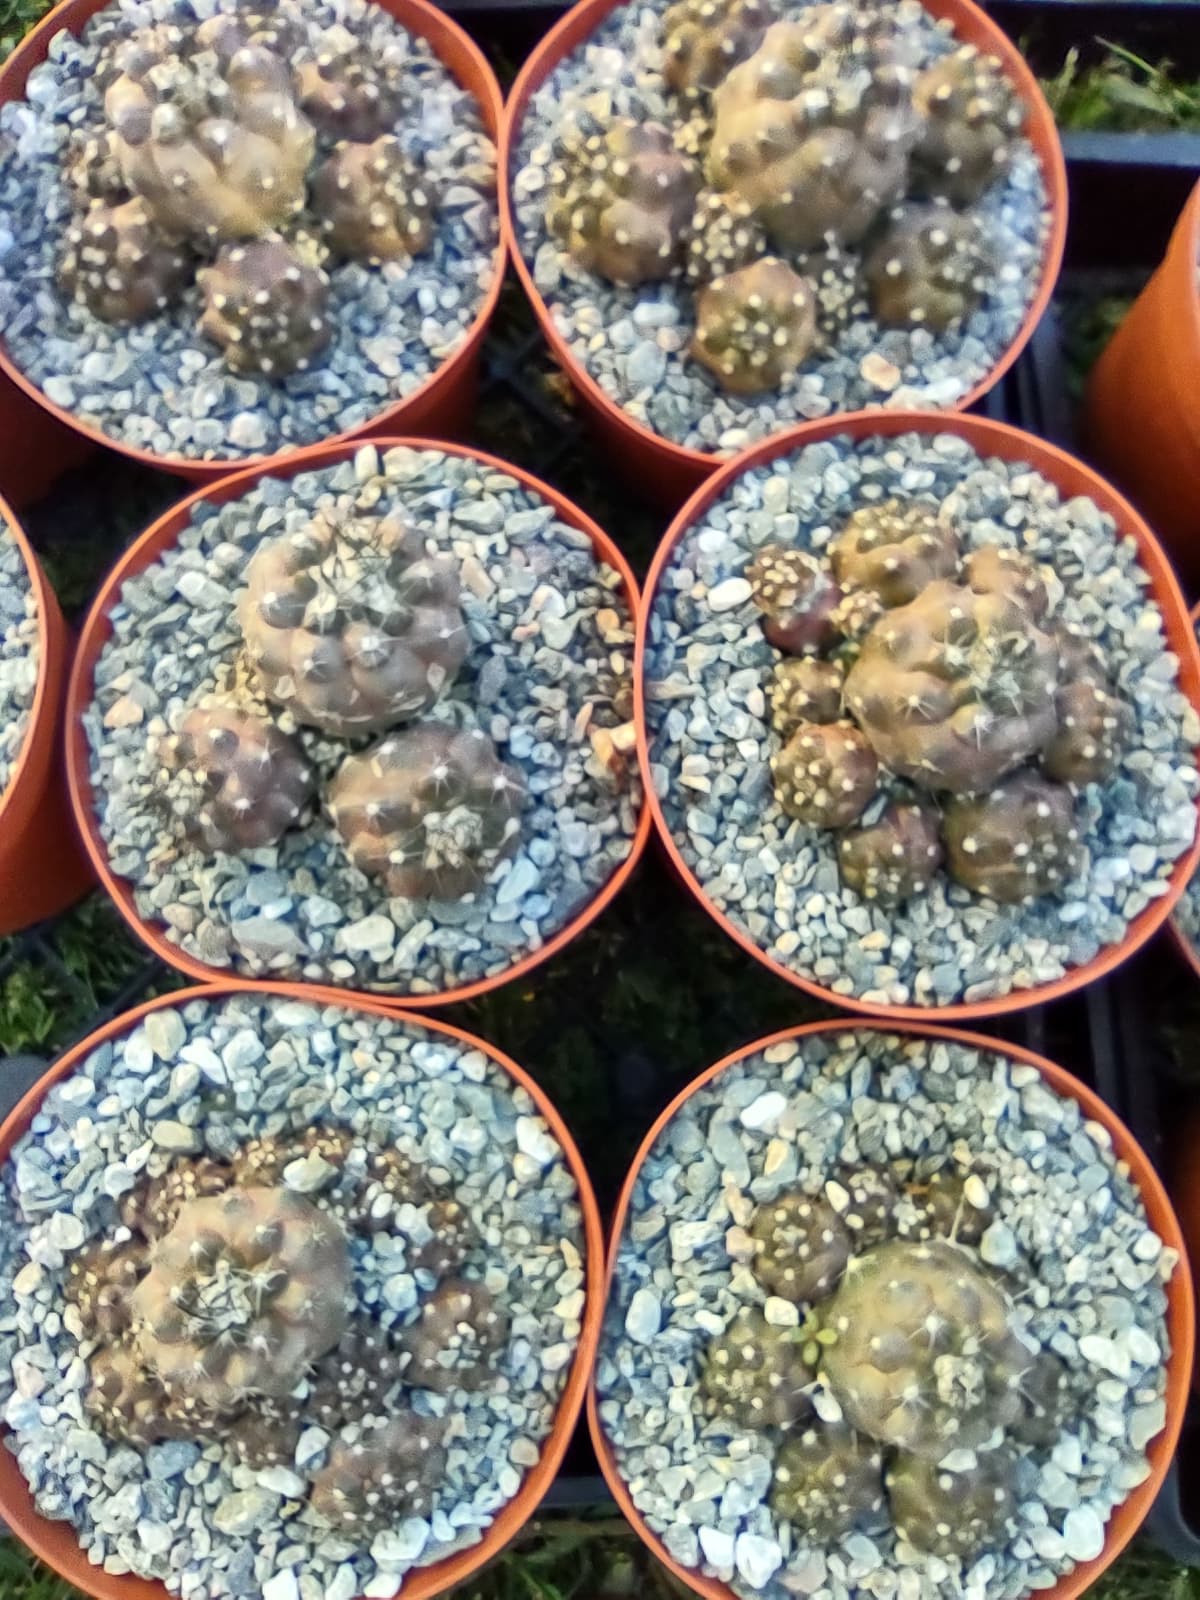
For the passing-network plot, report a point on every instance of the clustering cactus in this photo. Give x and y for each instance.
(387, 1472)
(801, 1245)
(826, 774)
(805, 690)
(755, 326)
(1019, 841)
(951, 1513)
(896, 856)
(757, 1374)
(797, 597)
(265, 306)
(348, 92)
(929, 268)
(722, 237)
(100, 1281)
(828, 1480)
(970, 116)
(240, 781)
(374, 202)
(455, 1343)
(119, 267)
(1093, 729)
(703, 39)
(895, 549)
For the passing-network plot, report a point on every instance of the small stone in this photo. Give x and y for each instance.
(1083, 1534)
(311, 1444)
(283, 1481)
(718, 1547)
(729, 595)
(308, 1174)
(243, 1511)
(535, 1141)
(644, 1317)
(175, 1136)
(998, 1246)
(374, 933)
(762, 1115)
(879, 372)
(758, 1559)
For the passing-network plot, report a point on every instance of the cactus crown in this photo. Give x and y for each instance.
(703, 39)
(895, 549)
(348, 92)
(757, 1374)
(827, 1479)
(970, 119)
(929, 268)
(826, 774)
(1015, 843)
(240, 781)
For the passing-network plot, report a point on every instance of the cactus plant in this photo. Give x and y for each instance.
(374, 202)
(797, 597)
(151, 1207)
(124, 1400)
(801, 1246)
(951, 1514)
(1094, 725)
(840, 289)
(100, 1279)
(621, 200)
(349, 625)
(722, 236)
(430, 810)
(864, 1198)
(457, 1340)
(950, 1205)
(387, 1471)
(355, 1379)
(895, 549)
(921, 1355)
(1046, 1402)
(262, 1163)
(240, 782)
(119, 267)
(971, 118)
(349, 93)
(703, 39)
(930, 268)
(452, 1237)
(894, 857)
(1019, 841)
(93, 167)
(804, 689)
(756, 1373)
(854, 616)
(825, 774)
(265, 1435)
(828, 1479)
(244, 1293)
(996, 569)
(390, 1179)
(755, 326)
(265, 306)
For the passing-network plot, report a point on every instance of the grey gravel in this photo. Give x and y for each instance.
(20, 656)
(1086, 1266)
(633, 341)
(161, 386)
(777, 879)
(299, 909)
(191, 1516)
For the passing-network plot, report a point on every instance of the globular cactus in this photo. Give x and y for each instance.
(350, 92)
(971, 119)
(374, 202)
(948, 1514)
(431, 811)
(266, 307)
(949, 1205)
(955, 689)
(801, 1247)
(457, 1341)
(240, 783)
(356, 1379)
(920, 1352)
(1094, 725)
(755, 326)
(1014, 843)
(895, 548)
(126, 1401)
(243, 1295)
(228, 32)
(386, 1472)
(813, 131)
(722, 237)
(797, 597)
(1046, 1402)
(453, 1238)
(929, 269)
(894, 857)
(93, 167)
(804, 689)
(350, 626)
(996, 569)
(265, 1435)
(262, 1162)
(828, 1479)
(864, 1199)
(621, 200)
(100, 1280)
(757, 1374)
(152, 1208)
(119, 266)
(216, 149)
(704, 39)
(854, 616)
(840, 289)
(390, 1179)
(825, 775)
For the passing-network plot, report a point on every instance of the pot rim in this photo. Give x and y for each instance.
(54, 1542)
(1180, 1315)
(43, 708)
(1179, 938)
(1011, 444)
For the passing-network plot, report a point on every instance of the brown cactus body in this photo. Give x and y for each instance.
(354, 1380)
(1093, 729)
(242, 783)
(266, 307)
(1046, 1402)
(94, 167)
(796, 596)
(350, 625)
(375, 203)
(117, 265)
(801, 1247)
(971, 120)
(995, 569)
(621, 201)
(951, 1513)
(347, 92)
(895, 857)
(454, 1237)
(152, 1208)
(825, 774)
(894, 548)
(388, 1471)
(805, 690)
(946, 1208)
(391, 1179)
(756, 1374)
(871, 1198)
(828, 1479)
(722, 237)
(755, 326)
(456, 1342)
(125, 1400)
(100, 1280)
(430, 810)
(262, 1162)
(840, 290)
(704, 39)
(265, 1435)
(1014, 843)
(930, 268)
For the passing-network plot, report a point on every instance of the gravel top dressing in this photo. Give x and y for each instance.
(708, 666)
(19, 660)
(633, 341)
(160, 385)
(548, 677)
(1067, 1240)
(207, 1077)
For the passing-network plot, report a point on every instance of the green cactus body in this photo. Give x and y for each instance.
(825, 775)
(801, 1245)
(805, 690)
(265, 305)
(386, 1472)
(1017, 842)
(894, 549)
(117, 265)
(756, 1374)
(374, 203)
(895, 857)
(971, 119)
(929, 269)
(704, 39)
(265, 1435)
(840, 289)
(126, 1401)
(828, 1480)
(755, 326)
(951, 1514)
(93, 168)
(796, 596)
(239, 782)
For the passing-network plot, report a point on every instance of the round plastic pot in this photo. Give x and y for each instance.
(442, 404)
(669, 472)
(56, 1543)
(1181, 1317)
(1142, 416)
(1183, 945)
(97, 630)
(1072, 478)
(42, 865)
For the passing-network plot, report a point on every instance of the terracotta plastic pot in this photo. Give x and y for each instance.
(159, 537)
(1183, 945)
(1181, 1317)
(669, 472)
(1143, 416)
(55, 1542)
(42, 864)
(1073, 478)
(442, 404)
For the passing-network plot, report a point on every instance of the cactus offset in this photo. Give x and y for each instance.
(354, 1380)
(825, 775)
(153, 1206)
(431, 810)
(125, 1400)
(837, 279)
(457, 1342)
(1046, 1402)
(722, 237)
(894, 548)
(801, 1246)
(797, 597)
(1018, 841)
(621, 200)
(262, 1162)
(100, 1280)
(228, 32)
(951, 1514)
(949, 1205)
(922, 1356)
(350, 626)
(805, 690)
(374, 202)
(349, 92)
(265, 1435)
(391, 1179)
(756, 1374)
(929, 269)
(240, 782)
(266, 307)
(854, 616)
(93, 167)
(388, 1471)
(704, 39)
(755, 326)
(1094, 726)
(971, 120)
(865, 1205)
(453, 1238)
(893, 858)
(117, 265)
(828, 1480)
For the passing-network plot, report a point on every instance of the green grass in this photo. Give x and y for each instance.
(1122, 92)
(16, 19)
